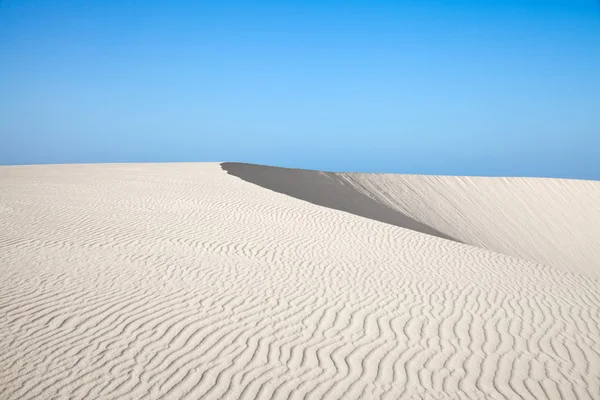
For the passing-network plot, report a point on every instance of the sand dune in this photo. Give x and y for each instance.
(183, 281)
(555, 222)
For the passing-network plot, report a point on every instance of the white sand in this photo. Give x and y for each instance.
(181, 281)
(555, 222)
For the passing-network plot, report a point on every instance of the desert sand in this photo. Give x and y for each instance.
(236, 281)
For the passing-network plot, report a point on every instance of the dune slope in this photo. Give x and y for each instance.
(326, 189)
(555, 222)
(180, 281)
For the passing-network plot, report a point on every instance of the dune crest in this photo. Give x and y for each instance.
(326, 189)
(555, 222)
(180, 281)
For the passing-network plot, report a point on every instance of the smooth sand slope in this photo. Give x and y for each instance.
(185, 281)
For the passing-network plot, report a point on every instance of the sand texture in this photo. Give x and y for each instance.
(202, 281)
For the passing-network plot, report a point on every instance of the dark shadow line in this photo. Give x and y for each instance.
(326, 189)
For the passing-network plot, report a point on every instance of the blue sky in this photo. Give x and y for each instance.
(480, 87)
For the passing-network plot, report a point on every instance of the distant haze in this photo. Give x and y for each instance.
(495, 87)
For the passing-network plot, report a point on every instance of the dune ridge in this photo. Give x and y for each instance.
(555, 222)
(326, 189)
(181, 281)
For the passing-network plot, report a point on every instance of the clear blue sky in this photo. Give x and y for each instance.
(481, 87)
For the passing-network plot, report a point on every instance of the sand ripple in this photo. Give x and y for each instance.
(181, 281)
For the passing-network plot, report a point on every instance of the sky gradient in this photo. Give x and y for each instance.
(438, 87)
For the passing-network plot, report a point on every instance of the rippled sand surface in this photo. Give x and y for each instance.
(209, 281)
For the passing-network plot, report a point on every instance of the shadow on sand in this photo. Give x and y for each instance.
(326, 189)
